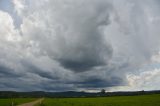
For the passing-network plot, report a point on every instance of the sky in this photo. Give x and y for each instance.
(80, 45)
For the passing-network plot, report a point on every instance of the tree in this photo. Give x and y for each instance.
(103, 91)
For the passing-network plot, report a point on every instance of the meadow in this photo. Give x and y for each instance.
(143, 100)
(15, 101)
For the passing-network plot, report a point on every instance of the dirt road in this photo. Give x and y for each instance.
(32, 103)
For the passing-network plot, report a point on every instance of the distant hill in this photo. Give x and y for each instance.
(37, 94)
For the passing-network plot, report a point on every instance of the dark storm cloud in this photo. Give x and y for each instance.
(82, 46)
(55, 86)
(99, 83)
(90, 59)
(8, 72)
(45, 73)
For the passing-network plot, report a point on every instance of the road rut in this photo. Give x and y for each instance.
(32, 103)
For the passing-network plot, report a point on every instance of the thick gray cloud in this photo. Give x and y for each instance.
(79, 45)
(74, 36)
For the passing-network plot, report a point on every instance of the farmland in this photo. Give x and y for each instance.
(139, 100)
(15, 101)
(144, 100)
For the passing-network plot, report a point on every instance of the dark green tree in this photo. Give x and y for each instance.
(103, 91)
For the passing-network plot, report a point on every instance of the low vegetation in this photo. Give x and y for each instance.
(144, 100)
(15, 101)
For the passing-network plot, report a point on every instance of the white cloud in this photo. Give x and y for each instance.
(7, 29)
(147, 80)
(19, 6)
(156, 58)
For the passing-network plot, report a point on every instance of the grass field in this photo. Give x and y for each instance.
(144, 100)
(16, 101)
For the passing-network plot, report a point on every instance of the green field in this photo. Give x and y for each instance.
(16, 101)
(144, 100)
